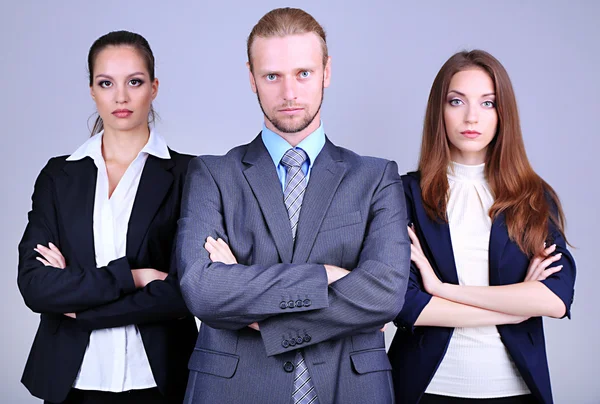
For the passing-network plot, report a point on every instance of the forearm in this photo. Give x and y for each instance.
(529, 299)
(215, 292)
(158, 301)
(358, 303)
(445, 313)
(73, 289)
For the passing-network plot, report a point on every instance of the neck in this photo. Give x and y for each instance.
(123, 147)
(295, 138)
(466, 158)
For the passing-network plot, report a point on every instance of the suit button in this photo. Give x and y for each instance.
(306, 302)
(299, 340)
(288, 367)
(299, 303)
(290, 304)
(285, 343)
(283, 305)
(307, 338)
(292, 341)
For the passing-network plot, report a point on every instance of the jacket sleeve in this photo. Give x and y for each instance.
(231, 296)
(416, 298)
(373, 293)
(158, 301)
(72, 289)
(562, 283)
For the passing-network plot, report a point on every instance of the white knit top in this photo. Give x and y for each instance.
(476, 364)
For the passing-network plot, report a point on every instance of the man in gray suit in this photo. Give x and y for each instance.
(306, 253)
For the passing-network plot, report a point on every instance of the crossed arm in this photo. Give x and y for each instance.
(472, 306)
(108, 296)
(233, 296)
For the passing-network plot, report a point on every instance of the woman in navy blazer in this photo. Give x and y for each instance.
(96, 257)
(508, 236)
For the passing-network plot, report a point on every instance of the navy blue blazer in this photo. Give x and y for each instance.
(62, 213)
(416, 352)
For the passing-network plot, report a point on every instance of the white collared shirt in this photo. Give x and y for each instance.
(115, 359)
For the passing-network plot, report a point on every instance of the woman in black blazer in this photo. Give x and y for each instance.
(96, 257)
(489, 250)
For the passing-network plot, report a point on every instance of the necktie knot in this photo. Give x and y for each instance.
(294, 158)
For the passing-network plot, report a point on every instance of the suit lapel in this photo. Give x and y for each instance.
(325, 177)
(498, 240)
(261, 175)
(154, 186)
(77, 193)
(438, 244)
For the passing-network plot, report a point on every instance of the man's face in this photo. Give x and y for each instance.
(288, 77)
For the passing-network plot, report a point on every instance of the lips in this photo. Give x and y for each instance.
(471, 134)
(122, 113)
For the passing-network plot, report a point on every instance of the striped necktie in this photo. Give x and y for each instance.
(295, 185)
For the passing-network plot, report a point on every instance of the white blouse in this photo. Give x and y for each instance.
(476, 364)
(115, 359)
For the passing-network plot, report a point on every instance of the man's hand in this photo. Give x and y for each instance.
(219, 251)
(335, 273)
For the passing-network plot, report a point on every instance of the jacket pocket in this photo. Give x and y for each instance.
(339, 221)
(213, 363)
(373, 360)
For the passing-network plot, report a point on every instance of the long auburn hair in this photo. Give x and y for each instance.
(525, 199)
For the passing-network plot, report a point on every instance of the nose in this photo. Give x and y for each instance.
(289, 88)
(121, 95)
(472, 114)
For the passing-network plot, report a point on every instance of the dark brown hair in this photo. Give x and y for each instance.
(526, 200)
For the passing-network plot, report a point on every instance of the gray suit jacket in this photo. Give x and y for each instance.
(353, 216)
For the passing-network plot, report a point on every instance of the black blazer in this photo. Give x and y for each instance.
(62, 213)
(416, 352)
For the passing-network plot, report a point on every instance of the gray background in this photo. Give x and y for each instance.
(385, 56)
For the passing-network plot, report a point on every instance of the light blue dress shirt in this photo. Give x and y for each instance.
(277, 146)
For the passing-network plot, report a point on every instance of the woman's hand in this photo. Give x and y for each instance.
(52, 257)
(430, 280)
(219, 251)
(143, 276)
(538, 267)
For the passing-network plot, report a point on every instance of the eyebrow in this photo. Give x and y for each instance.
(106, 76)
(463, 95)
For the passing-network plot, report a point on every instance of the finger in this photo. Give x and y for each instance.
(48, 253)
(43, 261)
(550, 249)
(414, 239)
(209, 247)
(61, 257)
(551, 259)
(533, 268)
(549, 272)
(49, 259)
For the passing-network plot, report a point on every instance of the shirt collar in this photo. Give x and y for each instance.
(277, 146)
(156, 146)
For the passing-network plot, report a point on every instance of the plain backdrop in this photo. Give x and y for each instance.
(385, 55)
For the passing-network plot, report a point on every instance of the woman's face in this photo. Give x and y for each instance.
(122, 89)
(470, 115)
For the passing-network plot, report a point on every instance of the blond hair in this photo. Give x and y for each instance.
(282, 22)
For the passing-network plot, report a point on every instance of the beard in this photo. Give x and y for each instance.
(288, 124)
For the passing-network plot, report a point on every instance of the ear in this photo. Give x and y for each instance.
(327, 73)
(92, 93)
(155, 84)
(251, 77)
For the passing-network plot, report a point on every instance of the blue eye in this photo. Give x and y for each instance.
(488, 104)
(105, 84)
(305, 74)
(455, 102)
(136, 82)
(271, 77)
